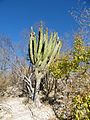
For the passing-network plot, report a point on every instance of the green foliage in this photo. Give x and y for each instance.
(72, 70)
(60, 67)
(81, 107)
(81, 52)
(78, 60)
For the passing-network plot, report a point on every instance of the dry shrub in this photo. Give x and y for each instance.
(5, 81)
(66, 92)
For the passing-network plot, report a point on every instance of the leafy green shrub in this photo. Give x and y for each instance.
(81, 107)
(78, 60)
(72, 73)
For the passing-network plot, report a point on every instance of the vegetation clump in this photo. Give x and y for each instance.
(71, 71)
(81, 107)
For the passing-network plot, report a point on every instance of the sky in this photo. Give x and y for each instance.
(18, 15)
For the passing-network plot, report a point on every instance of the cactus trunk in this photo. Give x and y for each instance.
(36, 97)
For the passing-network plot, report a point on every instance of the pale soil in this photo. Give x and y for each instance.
(15, 109)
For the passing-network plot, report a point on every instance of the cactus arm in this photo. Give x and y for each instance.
(44, 63)
(35, 49)
(31, 51)
(57, 47)
(46, 43)
(54, 40)
(51, 38)
(58, 53)
(50, 44)
(31, 46)
(50, 49)
(40, 44)
(50, 56)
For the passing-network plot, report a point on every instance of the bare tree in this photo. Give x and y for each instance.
(12, 65)
(81, 15)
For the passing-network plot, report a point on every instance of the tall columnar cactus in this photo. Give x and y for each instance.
(42, 51)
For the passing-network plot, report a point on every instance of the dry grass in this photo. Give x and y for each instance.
(4, 83)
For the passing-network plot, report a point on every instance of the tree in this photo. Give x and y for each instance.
(13, 67)
(81, 15)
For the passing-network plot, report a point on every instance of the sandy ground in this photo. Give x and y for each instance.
(15, 109)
